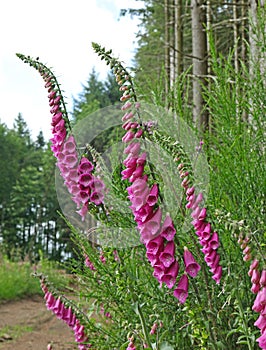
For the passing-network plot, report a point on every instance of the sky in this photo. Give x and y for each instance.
(60, 33)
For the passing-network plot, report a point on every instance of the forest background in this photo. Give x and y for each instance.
(203, 60)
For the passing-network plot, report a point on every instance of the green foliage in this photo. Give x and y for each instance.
(28, 202)
(16, 280)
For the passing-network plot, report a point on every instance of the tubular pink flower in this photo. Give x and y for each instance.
(192, 267)
(261, 323)
(56, 118)
(70, 145)
(153, 195)
(133, 148)
(262, 340)
(255, 278)
(128, 116)
(142, 159)
(139, 201)
(210, 257)
(137, 173)
(167, 255)
(253, 265)
(181, 291)
(155, 246)
(168, 231)
(263, 278)
(169, 276)
(85, 166)
(138, 186)
(130, 162)
(153, 259)
(255, 288)
(214, 241)
(202, 214)
(70, 160)
(128, 136)
(139, 133)
(143, 213)
(217, 274)
(127, 173)
(83, 211)
(97, 198)
(96, 184)
(127, 105)
(151, 227)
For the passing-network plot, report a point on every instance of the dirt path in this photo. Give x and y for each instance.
(27, 325)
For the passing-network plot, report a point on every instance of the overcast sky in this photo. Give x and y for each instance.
(60, 33)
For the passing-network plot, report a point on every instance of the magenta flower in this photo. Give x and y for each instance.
(261, 323)
(260, 300)
(181, 291)
(70, 160)
(263, 278)
(217, 274)
(127, 173)
(142, 159)
(139, 201)
(85, 179)
(137, 173)
(253, 265)
(168, 231)
(169, 276)
(153, 195)
(133, 148)
(167, 255)
(96, 198)
(85, 166)
(143, 213)
(155, 246)
(262, 340)
(128, 136)
(130, 162)
(152, 226)
(255, 278)
(192, 267)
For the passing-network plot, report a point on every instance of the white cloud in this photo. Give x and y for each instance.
(60, 32)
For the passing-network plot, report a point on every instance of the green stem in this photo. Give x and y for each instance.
(143, 324)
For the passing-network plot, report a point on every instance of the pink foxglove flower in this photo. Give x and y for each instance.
(167, 256)
(168, 231)
(181, 291)
(153, 195)
(155, 246)
(263, 278)
(151, 227)
(169, 276)
(262, 340)
(192, 267)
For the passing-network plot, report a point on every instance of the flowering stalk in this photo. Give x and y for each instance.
(258, 287)
(77, 172)
(57, 306)
(156, 233)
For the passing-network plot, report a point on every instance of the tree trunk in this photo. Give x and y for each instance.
(167, 49)
(178, 34)
(199, 53)
(257, 37)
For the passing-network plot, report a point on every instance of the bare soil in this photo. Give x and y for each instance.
(27, 325)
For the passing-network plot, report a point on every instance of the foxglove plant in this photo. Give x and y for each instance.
(66, 314)
(77, 171)
(173, 266)
(258, 280)
(157, 231)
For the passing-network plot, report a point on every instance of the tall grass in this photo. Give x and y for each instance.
(17, 280)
